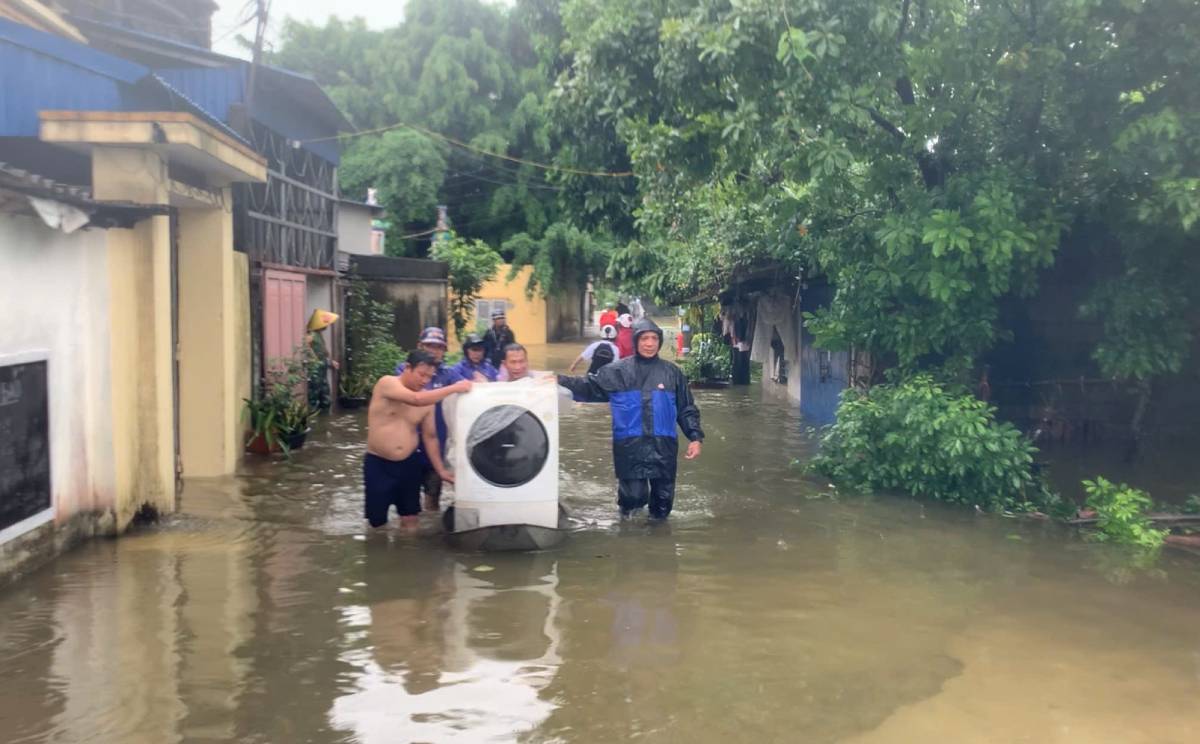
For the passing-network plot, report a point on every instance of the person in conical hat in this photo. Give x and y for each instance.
(321, 319)
(319, 396)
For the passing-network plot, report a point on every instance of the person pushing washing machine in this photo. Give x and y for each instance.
(649, 397)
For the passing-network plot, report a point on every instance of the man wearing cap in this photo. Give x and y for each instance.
(649, 398)
(497, 338)
(433, 341)
(475, 365)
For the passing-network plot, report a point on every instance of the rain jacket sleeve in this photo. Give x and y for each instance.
(593, 388)
(688, 417)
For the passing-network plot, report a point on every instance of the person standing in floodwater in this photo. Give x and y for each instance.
(649, 398)
(433, 342)
(400, 416)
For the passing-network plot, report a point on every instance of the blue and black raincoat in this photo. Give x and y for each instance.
(649, 398)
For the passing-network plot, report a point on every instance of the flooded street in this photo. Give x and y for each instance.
(764, 611)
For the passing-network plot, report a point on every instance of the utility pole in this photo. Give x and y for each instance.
(442, 231)
(262, 10)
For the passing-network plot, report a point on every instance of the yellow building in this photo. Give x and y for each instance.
(128, 349)
(534, 319)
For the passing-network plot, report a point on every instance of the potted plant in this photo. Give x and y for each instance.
(278, 418)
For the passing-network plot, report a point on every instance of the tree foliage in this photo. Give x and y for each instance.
(926, 155)
(464, 69)
(472, 264)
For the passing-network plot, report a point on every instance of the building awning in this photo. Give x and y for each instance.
(181, 137)
(16, 186)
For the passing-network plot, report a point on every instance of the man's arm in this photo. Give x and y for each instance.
(392, 389)
(575, 363)
(591, 388)
(688, 416)
(433, 450)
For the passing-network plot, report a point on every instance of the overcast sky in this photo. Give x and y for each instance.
(378, 14)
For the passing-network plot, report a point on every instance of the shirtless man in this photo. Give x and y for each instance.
(400, 408)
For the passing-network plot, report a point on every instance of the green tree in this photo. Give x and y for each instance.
(461, 69)
(925, 155)
(472, 264)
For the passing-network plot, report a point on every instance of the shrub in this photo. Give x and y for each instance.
(1121, 514)
(920, 438)
(371, 352)
(707, 360)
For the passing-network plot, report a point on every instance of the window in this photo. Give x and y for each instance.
(484, 308)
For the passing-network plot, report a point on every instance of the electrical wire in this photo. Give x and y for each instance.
(457, 143)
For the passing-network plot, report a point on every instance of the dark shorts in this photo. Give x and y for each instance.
(391, 482)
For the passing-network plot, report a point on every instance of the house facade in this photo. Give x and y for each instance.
(120, 361)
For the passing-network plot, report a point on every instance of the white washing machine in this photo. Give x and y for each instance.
(505, 452)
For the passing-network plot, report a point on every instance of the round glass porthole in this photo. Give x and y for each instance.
(507, 446)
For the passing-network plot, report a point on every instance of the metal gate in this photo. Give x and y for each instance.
(283, 316)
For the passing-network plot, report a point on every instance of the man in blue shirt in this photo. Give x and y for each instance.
(475, 365)
(433, 341)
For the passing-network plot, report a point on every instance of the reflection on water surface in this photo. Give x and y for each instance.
(265, 614)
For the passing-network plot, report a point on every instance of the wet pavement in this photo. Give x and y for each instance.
(764, 611)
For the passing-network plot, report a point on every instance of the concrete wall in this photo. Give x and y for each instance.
(354, 230)
(778, 317)
(415, 305)
(57, 304)
(143, 417)
(209, 343)
(564, 319)
(243, 366)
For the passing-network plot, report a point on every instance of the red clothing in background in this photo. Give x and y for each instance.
(625, 341)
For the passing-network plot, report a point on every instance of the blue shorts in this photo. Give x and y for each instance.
(391, 482)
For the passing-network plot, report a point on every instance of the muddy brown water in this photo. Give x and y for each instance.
(764, 611)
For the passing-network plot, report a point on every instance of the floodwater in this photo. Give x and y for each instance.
(765, 611)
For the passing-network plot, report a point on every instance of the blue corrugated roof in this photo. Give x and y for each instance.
(293, 104)
(214, 88)
(71, 52)
(42, 71)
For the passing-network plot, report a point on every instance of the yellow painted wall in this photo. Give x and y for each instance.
(242, 371)
(526, 316)
(210, 406)
(140, 316)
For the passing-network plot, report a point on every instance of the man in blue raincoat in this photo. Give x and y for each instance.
(649, 398)
(475, 365)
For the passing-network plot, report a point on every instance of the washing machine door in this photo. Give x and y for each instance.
(507, 446)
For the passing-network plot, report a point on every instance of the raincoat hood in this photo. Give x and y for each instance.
(645, 325)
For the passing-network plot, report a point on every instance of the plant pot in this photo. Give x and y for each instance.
(296, 441)
(353, 402)
(258, 445)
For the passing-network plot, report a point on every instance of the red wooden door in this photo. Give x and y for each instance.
(283, 316)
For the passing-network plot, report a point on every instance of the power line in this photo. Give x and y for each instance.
(506, 183)
(450, 140)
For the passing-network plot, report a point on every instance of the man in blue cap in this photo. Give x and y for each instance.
(433, 341)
